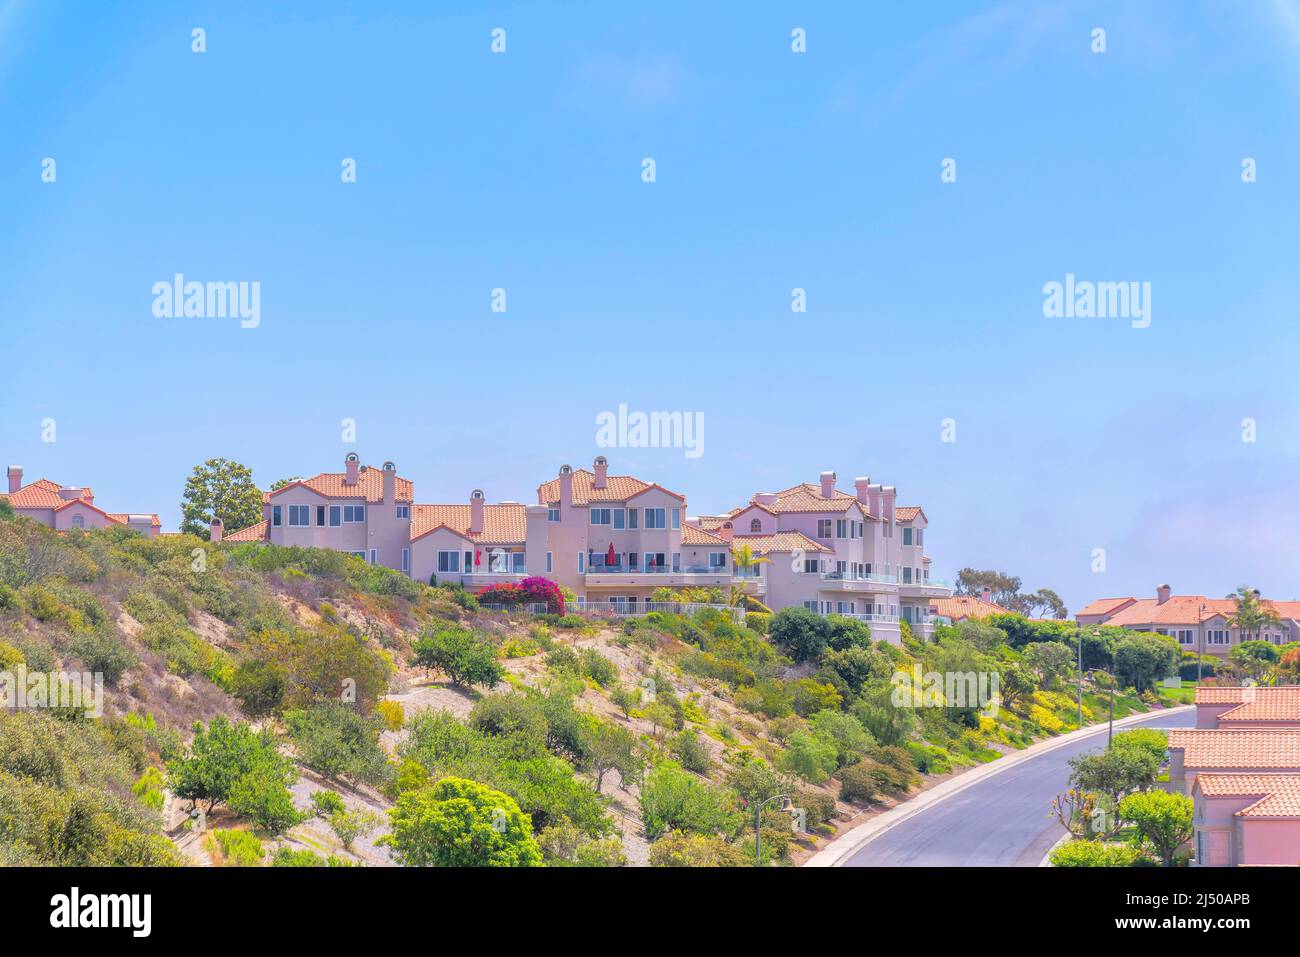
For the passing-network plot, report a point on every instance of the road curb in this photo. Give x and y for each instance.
(846, 845)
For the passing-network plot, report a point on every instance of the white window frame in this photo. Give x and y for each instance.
(303, 511)
(452, 565)
(406, 559)
(403, 511)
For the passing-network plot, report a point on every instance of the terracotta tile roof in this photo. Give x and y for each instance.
(906, 513)
(1244, 749)
(618, 488)
(39, 494)
(254, 533)
(370, 484)
(1279, 793)
(1213, 695)
(124, 518)
(1104, 606)
(698, 536)
(965, 606)
(710, 522)
(780, 542)
(504, 524)
(807, 497)
(1267, 705)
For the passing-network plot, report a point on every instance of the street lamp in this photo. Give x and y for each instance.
(1200, 642)
(758, 821)
(1079, 628)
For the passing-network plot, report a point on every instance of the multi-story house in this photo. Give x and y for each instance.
(63, 507)
(1198, 623)
(609, 538)
(833, 552)
(362, 511)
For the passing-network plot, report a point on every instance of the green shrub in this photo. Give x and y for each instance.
(1096, 854)
(597, 667)
(675, 800)
(679, 849)
(692, 752)
(758, 621)
(239, 848)
(102, 652)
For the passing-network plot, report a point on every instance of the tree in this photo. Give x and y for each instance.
(1254, 657)
(625, 699)
(337, 741)
(746, 562)
(281, 483)
(801, 633)
(1141, 659)
(262, 795)
(461, 823)
(1045, 603)
(459, 654)
(218, 757)
(810, 756)
(1162, 818)
(610, 747)
(350, 825)
(1251, 616)
(1005, 588)
(1114, 772)
(220, 488)
(676, 800)
(1050, 659)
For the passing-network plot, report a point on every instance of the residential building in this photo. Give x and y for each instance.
(1198, 623)
(64, 507)
(1246, 819)
(833, 552)
(1248, 707)
(1193, 751)
(963, 607)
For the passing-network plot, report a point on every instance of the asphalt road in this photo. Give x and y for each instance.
(1000, 822)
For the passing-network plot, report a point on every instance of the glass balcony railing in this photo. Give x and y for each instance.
(657, 570)
(851, 576)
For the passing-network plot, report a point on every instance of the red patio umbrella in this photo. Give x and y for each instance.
(610, 557)
(478, 557)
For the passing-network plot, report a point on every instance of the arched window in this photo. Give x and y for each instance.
(755, 525)
(78, 521)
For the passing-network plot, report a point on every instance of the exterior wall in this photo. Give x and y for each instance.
(424, 556)
(1207, 715)
(65, 518)
(382, 530)
(1268, 841)
(43, 515)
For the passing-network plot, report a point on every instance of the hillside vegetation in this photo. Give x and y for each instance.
(271, 706)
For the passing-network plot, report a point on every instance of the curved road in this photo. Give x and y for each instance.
(1000, 822)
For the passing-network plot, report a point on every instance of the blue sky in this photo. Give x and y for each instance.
(775, 170)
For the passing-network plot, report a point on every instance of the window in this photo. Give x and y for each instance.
(403, 511)
(840, 608)
(655, 518)
(677, 561)
(320, 515)
(810, 566)
(548, 563)
(824, 528)
(336, 516)
(600, 516)
(78, 521)
(275, 515)
(907, 536)
(406, 559)
(469, 562)
(372, 556)
(582, 562)
(1184, 636)
(717, 559)
(620, 518)
(517, 561)
(361, 554)
(631, 561)
(352, 514)
(920, 535)
(631, 518)
(810, 605)
(449, 561)
(755, 526)
(841, 528)
(907, 576)
(1217, 636)
(677, 518)
(552, 514)
(654, 560)
(299, 515)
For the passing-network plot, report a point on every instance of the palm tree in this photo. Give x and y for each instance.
(1251, 616)
(744, 559)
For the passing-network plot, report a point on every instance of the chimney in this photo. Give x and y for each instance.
(828, 485)
(476, 512)
(390, 483)
(602, 468)
(566, 488)
(70, 493)
(873, 499)
(860, 485)
(987, 595)
(352, 464)
(887, 495)
(535, 538)
(1162, 594)
(15, 478)
(214, 530)
(726, 531)
(765, 498)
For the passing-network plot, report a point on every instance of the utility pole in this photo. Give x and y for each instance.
(1200, 642)
(1079, 628)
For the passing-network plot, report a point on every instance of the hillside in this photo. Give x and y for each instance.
(295, 706)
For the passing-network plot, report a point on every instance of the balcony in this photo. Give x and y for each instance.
(657, 576)
(857, 582)
(928, 588)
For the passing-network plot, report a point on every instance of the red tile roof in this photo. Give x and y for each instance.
(618, 488)
(370, 485)
(1279, 793)
(906, 513)
(1267, 705)
(780, 542)
(807, 497)
(959, 607)
(1243, 749)
(698, 536)
(45, 494)
(1177, 610)
(504, 524)
(1104, 606)
(254, 533)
